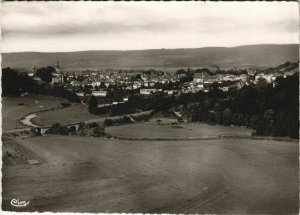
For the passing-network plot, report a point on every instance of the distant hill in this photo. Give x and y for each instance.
(287, 67)
(240, 56)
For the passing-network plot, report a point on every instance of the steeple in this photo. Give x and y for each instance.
(57, 77)
(33, 69)
(57, 67)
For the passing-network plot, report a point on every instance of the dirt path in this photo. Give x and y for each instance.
(27, 120)
(82, 174)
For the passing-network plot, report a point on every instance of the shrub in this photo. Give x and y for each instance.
(93, 125)
(108, 122)
(72, 128)
(58, 129)
(99, 131)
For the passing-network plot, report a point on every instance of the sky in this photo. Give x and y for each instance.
(76, 26)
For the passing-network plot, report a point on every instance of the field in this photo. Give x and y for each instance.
(187, 130)
(74, 113)
(13, 109)
(83, 174)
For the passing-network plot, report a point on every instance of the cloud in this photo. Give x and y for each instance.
(132, 25)
(91, 28)
(69, 19)
(290, 25)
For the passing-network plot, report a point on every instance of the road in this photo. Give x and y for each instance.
(84, 174)
(16, 130)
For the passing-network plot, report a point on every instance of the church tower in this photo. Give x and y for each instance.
(58, 76)
(57, 67)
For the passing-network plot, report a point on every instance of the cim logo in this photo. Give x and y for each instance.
(19, 204)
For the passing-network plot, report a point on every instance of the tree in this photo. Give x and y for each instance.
(99, 130)
(45, 73)
(180, 72)
(261, 83)
(227, 116)
(10, 82)
(14, 84)
(93, 104)
(102, 85)
(87, 89)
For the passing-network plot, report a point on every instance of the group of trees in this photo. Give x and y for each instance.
(91, 129)
(285, 67)
(15, 84)
(45, 73)
(135, 103)
(270, 111)
(190, 73)
(60, 91)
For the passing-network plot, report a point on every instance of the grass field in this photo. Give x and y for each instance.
(83, 174)
(187, 130)
(74, 113)
(13, 111)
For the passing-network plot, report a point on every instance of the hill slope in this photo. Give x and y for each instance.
(250, 55)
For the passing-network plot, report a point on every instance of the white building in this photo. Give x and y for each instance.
(169, 92)
(99, 93)
(80, 94)
(199, 87)
(149, 91)
(198, 79)
(136, 85)
(268, 77)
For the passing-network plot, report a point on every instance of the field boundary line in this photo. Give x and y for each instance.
(204, 138)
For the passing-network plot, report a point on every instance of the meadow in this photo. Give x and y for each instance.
(182, 131)
(73, 113)
(83, 174)
(15, 108)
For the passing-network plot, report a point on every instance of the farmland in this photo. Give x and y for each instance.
(84, 174)
(74, 113)
(13, 108)
(187, 130)
(71, 114)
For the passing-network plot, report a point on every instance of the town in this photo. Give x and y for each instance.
(119, 84)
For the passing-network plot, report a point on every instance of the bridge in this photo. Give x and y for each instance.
(43, 129)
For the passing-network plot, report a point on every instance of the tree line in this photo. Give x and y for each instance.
(16, 84)
(269, 110)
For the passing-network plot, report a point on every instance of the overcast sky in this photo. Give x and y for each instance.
(73, 26)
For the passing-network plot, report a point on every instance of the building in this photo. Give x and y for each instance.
(169, 92)
(198, 78)
(270, 78)
(99, 93)
(199, 86)
(57, 77)
(136, 85)
(149, 91)
(32, 72)
(80, 94)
